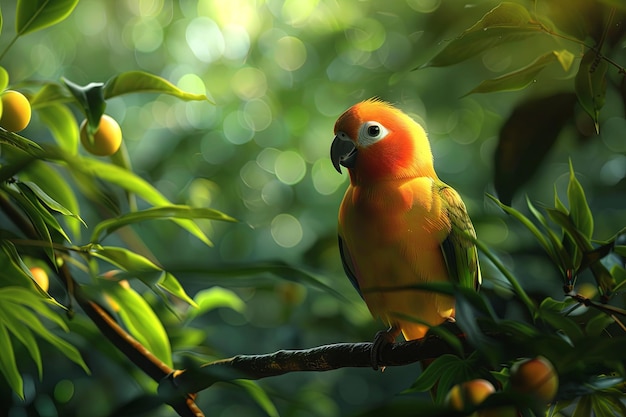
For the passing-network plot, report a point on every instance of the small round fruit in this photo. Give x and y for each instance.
(469, 394)
(535, 377)
(41, 277)
(106, 140)
(16, 111)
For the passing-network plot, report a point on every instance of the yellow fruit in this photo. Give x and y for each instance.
(15, 111)
(468, 394)
(106, 140)
(41, 277)
(535, 377)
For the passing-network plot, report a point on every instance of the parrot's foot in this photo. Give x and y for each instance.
(382, 339)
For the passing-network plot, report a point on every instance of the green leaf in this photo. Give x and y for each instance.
(62, 125)
(36, 217)
(132, 183)
(506, 22)
(140, 267)
(140, 320)
(429, 377)
(14, 271)
(526, 222)
(125, 259)
(19, 142)
(559, 322)
(216, 297)
(156, 213)
(17, 316)
(170, 284)
(57, 187)
(559, 255)
(143, 82)
(516, 80)
(42, 211)
(565, 58)
(33, 15)
(580, 212)
(590, 84)
(49, 201)
(91, 99)
(51, 93)
(4, 75)
(596, 325)
(8, 365)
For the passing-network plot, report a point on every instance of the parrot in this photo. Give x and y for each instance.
(399, 225)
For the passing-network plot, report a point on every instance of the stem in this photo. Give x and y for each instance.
(9, 46)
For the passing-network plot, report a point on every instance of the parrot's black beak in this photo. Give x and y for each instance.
(343, 152)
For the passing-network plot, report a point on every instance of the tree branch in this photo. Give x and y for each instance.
(318, 359)
(123, 341)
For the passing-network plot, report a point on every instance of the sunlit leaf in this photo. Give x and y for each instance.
(91, 99)
(51, 93)
(580, 212)
(125, 259)
(504, 23)
(565, 58)
(25, 336)
(156, 213)
(518, 79)
(132, 183)
(590, 84)
(170, 284)
(32, 15)
(522, 146)
(216, 297)
(62, 125)
(143, 82)
(4, 75)
(140, 320)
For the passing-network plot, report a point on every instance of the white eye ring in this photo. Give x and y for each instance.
(371, 132)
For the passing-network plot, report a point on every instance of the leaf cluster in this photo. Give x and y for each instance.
(579, 52)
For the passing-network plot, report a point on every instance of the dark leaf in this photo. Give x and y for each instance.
(91, 99)
(526, 138)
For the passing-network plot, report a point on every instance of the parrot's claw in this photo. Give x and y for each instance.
(382, 339)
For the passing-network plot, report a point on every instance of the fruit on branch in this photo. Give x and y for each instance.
(535, 377)
(16, 111)
(468, 394)
(41, 277)
(106, 140)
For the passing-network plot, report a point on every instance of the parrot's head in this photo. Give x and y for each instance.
(376, 141)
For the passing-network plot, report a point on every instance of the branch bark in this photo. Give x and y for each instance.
(318, 359)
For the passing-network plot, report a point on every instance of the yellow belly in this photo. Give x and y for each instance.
(394, 242)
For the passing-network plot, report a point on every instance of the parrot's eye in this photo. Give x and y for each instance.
(371, 132)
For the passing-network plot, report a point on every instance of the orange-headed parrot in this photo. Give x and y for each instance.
(399, 224)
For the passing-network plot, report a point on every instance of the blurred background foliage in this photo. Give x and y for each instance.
(279, 74)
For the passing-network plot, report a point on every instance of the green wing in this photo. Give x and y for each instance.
(458, 249)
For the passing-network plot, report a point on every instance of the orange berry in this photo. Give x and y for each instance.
(16, 111)
(106, 140)
(469, 394)
(41, 277)
(535, 377)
